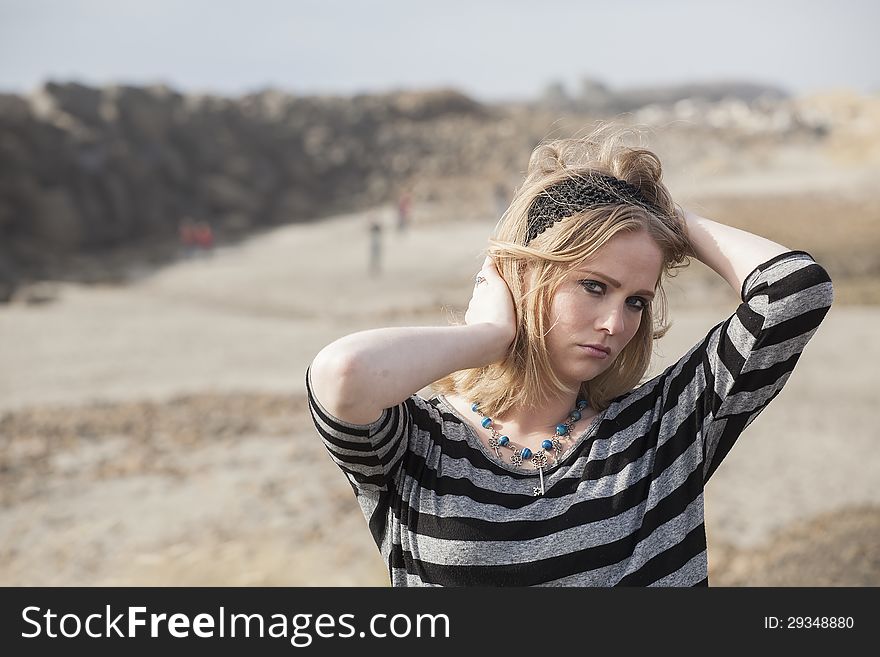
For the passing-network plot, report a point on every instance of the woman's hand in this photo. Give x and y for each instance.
(492, 303)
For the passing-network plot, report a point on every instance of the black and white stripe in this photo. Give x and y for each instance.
(624, 506)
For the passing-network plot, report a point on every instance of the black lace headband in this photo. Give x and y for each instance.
(574, 195)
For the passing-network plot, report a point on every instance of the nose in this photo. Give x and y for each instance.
(612, 321)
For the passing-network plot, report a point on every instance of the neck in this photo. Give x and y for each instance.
(540, 419)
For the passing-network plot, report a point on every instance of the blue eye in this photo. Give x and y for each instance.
(595, 287)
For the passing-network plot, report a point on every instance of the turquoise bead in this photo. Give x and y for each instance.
(547, 444)
(575, 415)
(503, 440)
(526, 453)
(475, 407)
(561, 429)
(582, 403)
(487, 422)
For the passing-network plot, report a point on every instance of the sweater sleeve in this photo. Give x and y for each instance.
(735, 372)
(367, 454)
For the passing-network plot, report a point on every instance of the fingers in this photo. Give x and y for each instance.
(480, 277)
(491, 301)
(488, 266)
(488, 271)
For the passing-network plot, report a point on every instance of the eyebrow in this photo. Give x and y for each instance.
(616, 284)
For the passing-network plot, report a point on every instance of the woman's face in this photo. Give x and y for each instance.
(601, 302)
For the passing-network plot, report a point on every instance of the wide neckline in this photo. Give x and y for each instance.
(474, 439)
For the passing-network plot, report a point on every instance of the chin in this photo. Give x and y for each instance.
(577, 378)
(592, 373)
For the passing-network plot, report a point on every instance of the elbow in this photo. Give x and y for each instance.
(335, 374)
(811, 296)
(806, 291)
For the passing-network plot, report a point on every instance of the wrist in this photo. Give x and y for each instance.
(492, 341)
(691, 220)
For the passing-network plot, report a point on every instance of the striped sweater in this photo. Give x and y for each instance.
(624, 504)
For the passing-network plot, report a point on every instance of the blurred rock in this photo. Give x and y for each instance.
(86, 172)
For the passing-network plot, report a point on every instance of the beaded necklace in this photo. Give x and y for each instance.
(520, 454)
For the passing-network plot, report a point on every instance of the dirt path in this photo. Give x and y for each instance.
(156, 433)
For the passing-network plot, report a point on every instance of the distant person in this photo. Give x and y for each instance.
(375, 246)
(404, 211)
(204, 237)
(542, 458)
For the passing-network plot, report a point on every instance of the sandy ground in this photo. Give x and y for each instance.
(156, 433)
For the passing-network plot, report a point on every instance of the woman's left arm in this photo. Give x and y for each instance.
(729, 251)
(726, 380)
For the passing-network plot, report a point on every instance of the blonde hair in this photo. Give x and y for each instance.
(534, 271)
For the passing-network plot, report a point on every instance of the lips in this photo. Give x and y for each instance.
(595, 350)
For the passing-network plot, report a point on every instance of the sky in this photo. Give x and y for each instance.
(492, 50)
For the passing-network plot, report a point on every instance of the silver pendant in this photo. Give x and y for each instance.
(539, 490)
(539, 460)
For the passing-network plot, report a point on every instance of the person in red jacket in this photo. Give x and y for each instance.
(204, 236)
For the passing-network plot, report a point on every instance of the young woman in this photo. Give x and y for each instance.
(543, 459)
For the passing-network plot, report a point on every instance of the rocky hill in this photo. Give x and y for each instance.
(85, 170)
(93, 178)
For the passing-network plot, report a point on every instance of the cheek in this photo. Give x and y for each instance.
(568, 310)
(636, 324)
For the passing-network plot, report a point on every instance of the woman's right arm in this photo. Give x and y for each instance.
(358, 376)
